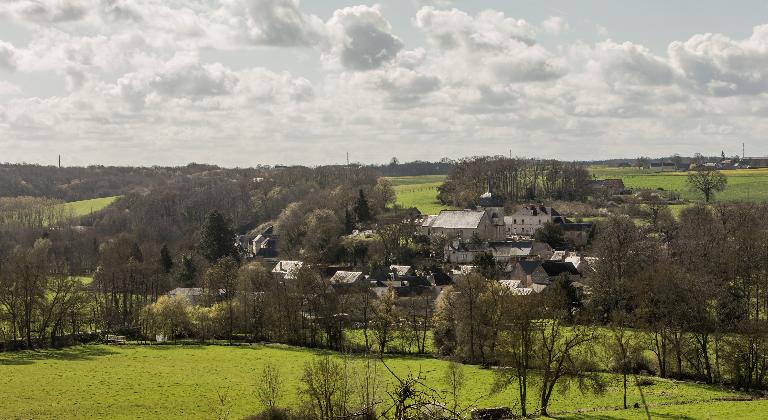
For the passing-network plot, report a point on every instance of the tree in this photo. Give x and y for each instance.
(268, 387)
(558, 354)
(166, 261)
(362, 210)
(453, 376)
(216, 238)
(321, 241)
(187, 271)
(220, 282)
(551, 234)
(517, 347)
(349, 223)
(707, 181)
(486, 265)
(385, 317)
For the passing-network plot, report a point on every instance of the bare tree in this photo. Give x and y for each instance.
(269, 387)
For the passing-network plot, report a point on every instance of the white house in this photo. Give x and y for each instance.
(528, 219)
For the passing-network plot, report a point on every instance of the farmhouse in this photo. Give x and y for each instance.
(464, 224)
(530, 218)
(287, 269)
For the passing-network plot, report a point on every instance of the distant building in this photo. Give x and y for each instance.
(287, 269)
(530, 218)
(463, 224)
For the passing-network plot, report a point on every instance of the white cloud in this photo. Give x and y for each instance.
(273, 22)
(48, 11)
(555, 25)
(145, 77)
(361, 38)
(450, 29)
(7, 56)
(720, 66)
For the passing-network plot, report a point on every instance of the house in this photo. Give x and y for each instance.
(287, 269)
(539, 274)
(486, 221)
(400, 270)
(463, 224)
(504, 252)
(577, 233)
(347, 278)
(530, 218)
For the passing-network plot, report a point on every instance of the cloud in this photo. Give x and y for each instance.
(7, 56)
(451, 29)
(555, 25)
(361, 38)
(629, 63)
(273, 22)
(48, 11)
(720, 66)
(407, 86)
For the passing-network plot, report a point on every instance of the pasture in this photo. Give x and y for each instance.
(85, 207)
(743, 184)
(419, 192)
(167, 381)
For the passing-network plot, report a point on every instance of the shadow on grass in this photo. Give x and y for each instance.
(598, 416)
(76, 353)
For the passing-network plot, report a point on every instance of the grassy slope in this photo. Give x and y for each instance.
(84, 207)
(419, 192)
(182, 382)
(745, 184)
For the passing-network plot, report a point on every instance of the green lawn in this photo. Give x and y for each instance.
(419, 192)
(743, 184)
(99, 381)
(85, 207)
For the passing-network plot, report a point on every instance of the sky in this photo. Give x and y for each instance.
(250, 82)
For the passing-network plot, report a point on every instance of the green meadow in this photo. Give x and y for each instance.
(191, 381)
(743, 184)
(85, 207)
(419, 192)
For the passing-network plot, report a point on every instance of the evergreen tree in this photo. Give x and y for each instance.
(187, 271)
(216, 238)
(362, 211)
(349, 223)
(166, 261)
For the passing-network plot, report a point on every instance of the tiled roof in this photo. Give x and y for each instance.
(346, 277)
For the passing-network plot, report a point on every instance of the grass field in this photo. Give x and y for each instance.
(743, 184)
(419, 192)
(85, 207)
(99, 381)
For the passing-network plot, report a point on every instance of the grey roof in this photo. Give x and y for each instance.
(535, 210)
(288, 268)
(456, 219)
(555, 268)
(529, 266)
(400, 270)
(346, 277)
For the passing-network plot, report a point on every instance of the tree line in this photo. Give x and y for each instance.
(515, 179)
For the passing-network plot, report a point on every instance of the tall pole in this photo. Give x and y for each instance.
(59, 161)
